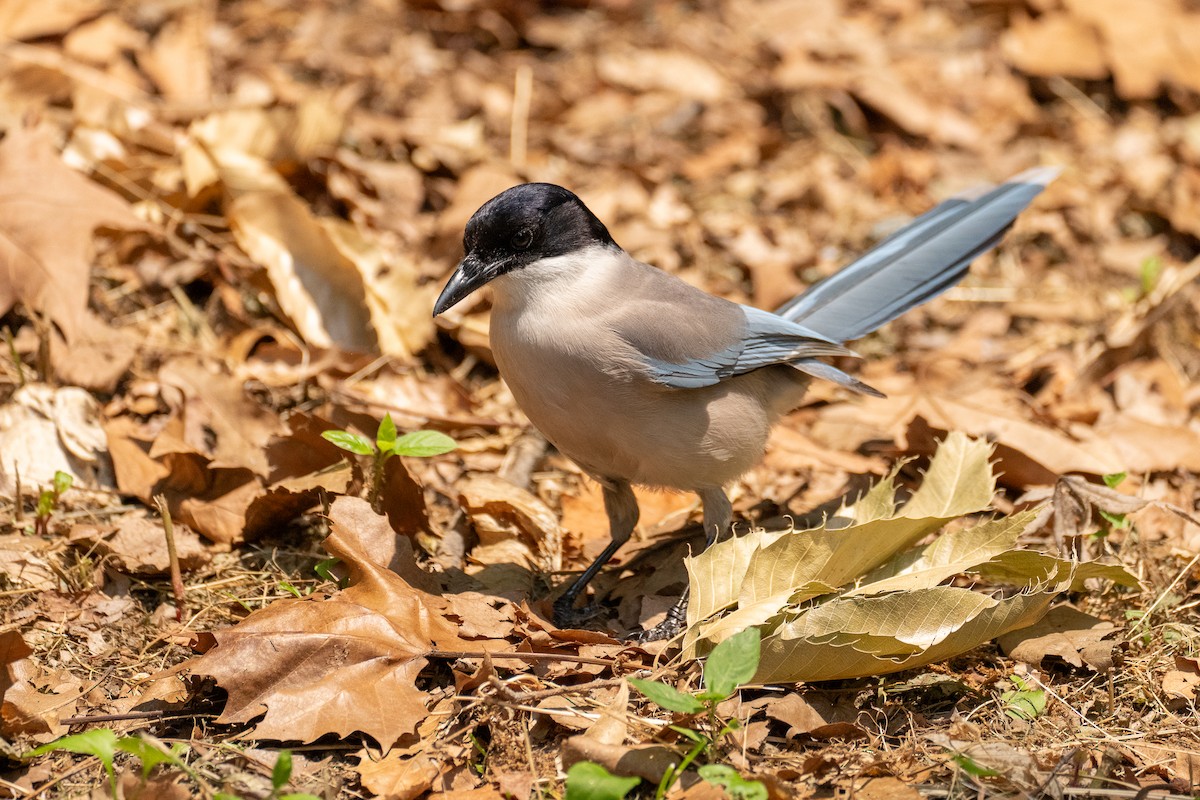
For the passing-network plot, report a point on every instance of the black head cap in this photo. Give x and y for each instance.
(532, 221)
(516, 228)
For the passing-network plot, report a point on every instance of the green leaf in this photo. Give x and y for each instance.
(423, 444)
(687, 733)
(385, 437)
(150, 755)
(298, 796)
(732, 663)
(45, 505)
(973, 767)
(734, 784)
(1022, 702)
(324, 569)
(668, 697)
(101, 743)
(62, 482)
(1117, 521)
(282, 772)
(360, 445)
(590, 781)
(1115, 479)
(287, 587)
(1150, 270)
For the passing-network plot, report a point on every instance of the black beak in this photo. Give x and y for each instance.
(470, 275)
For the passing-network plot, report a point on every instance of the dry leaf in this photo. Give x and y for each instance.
(316, 284)
(345, 663)
(46, 229)
(138, 546)
(45, 430)
(32, 19)
(891, 611)
(1066, 633)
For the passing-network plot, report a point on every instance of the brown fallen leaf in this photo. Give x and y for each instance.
(215, 417)
(33, 701)
(179, 59)
(408, 771)
(316, 284)
(513, 525)
(24, 562)
(44, 430)
(343, 663)
(138, 546)
(1065, 633)
(46, 229)
(31, 19)
(1182, 684)
(131, 785)
(814, 716)
(604, 744)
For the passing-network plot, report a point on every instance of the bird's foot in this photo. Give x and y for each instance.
(567, 616)
(669, 628)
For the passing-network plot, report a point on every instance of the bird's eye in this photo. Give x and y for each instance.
(522, 239)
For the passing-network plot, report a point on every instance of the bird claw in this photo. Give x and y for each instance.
(669, 628)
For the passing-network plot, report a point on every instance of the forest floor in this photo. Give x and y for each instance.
(222, 229)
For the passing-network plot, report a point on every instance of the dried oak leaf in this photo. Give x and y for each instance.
(343, 663)
(47, 217)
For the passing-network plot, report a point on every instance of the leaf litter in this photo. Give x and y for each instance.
(228, 223)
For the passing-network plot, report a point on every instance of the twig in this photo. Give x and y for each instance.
(455, 654)
(19, 500)
(542, 694)
(161, 713)
(172, 555)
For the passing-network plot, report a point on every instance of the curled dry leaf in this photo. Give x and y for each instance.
(44, 430)
(1093, 38)
(884, 606)
(513, 525)
(1182, 684)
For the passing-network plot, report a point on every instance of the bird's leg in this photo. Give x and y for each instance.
(622, 509)
(718, 519)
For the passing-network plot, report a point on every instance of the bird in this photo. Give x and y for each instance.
(644, 379)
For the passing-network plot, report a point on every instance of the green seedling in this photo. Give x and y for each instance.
(150, 753)
(104, 745)
(1023, 703)
(1149, 273)
(324, 570)
(48, 501)
(1117, 521)
(973, 767)
(418, 444)
(730, 665)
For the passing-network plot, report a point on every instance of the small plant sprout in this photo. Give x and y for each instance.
(730, 665)
(1021, 702)
(418, 444)
(48, 501)
(104, 744)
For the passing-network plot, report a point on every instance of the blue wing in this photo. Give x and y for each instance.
(766, 339)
